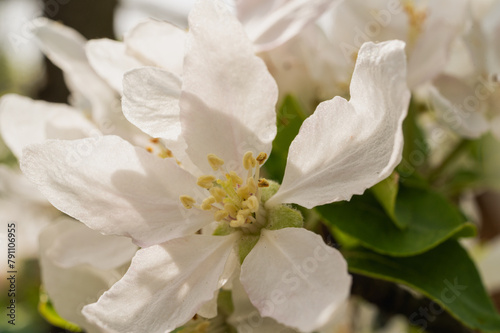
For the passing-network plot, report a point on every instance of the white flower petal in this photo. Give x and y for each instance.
(24, 121)
(13, 184)
(459, 107)
(209, 309)
(228, 96)
(69, 289)
(430, 53)
(165, 285)
(77, 244)
(246, 318)
(115, 188)
(291, 275)
(110, 60)
(151, 101)
(270, 23)
(428, 28)
(346, 147)
(158, 44)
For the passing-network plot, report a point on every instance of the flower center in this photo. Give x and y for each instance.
(233, 200)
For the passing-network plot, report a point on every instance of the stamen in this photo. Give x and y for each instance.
(218, 193)
(206, 181)
(248, 160)
(263, 182)
(215, 162)
(234, 178)
(154, 140)
(207, 203)
(251, 203)
(240, 220)
(243, 192)
(220, 215)
(231, 209)
(149, 149)
(261, 158)
(252, 185)
(187, 201)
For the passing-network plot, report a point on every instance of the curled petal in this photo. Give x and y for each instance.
(346, 147)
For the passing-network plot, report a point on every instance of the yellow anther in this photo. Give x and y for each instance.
(240, 220)
(252, 185)
(251, 203)
(187, 201)
(234, 178)
(206, 181)
(244, 212)
(149, 149)
(166, 154)
(261, 158)
(207, 203)
(154, 140)
(215, 162)
(243, 192)
(263, 182)
(220, 215)
(248, 160)
(231, 208)
(218, 193)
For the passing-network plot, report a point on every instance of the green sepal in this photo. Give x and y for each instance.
(50, 314)
(223, 229)
(267, 192)
(245, 245)
(283, 216)
(386, 192)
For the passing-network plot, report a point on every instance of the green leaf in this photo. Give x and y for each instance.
(385, 192)
(446, 275)
(289, 119)
(47, 311)
(429, 218)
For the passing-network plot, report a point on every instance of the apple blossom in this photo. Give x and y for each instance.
(226, 115)
(467, 102)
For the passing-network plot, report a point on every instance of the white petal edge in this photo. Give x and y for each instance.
(346, 147)
(292, 276)
(77, 244)
(271, 23)
(115, 188)
(165, 285)
(159, 44)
